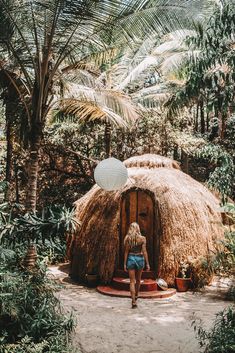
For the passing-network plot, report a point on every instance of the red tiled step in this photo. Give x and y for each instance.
(155, 294)
(124, 284)
(145, 274)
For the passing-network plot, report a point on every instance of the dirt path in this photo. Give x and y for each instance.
(108, 325)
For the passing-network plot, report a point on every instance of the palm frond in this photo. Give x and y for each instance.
(135, 73)
(114, 100)
(87, 110)
(173, 41)
(137, 63)
(156, 95)
(163, 16)
(133, 56)
(174, 62)
(93, 60)
(87, 78)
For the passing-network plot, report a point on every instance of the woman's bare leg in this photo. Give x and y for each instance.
(132, 285)
(138, 274)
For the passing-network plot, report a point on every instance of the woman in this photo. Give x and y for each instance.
(135, 257)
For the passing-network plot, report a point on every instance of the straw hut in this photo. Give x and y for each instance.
(178, 215)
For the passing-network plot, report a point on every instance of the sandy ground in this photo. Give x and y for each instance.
(109, 325)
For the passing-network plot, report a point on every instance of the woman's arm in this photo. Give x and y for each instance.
(145, 255)
(126, 255)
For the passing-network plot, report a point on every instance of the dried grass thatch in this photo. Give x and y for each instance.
(188, 211)
(151, 161)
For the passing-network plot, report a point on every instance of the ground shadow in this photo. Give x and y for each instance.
(68, 279)
(64, 267)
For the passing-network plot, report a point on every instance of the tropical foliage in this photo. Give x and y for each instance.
(76, 44)
(45, 39)
(31, 319)
(208, 93)
(226, 258)
(221, 338)
(222, 178)
(210, 76)
(48, 230)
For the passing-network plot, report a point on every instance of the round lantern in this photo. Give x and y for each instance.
(110, 174)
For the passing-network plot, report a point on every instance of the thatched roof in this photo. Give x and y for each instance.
(190, 221)
(151, 161)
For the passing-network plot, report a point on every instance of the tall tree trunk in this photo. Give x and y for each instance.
(108, 139)
(222, 125)
(175, 153)
(33, 167)
(9, 138)
(120, 144)
(196, 118)
(207, 121)
(31, 196)
(31, 200)
(202, 117)
(17, 194)
(208, 115)
(184, 162)
(36, 133)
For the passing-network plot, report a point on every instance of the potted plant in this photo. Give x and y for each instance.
(202, 270)
(183, 280)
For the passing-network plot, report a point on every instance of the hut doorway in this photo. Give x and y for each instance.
(138, 206)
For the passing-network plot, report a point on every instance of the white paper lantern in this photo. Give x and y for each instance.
(110, 174)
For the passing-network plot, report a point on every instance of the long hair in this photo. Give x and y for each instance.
(133, 236)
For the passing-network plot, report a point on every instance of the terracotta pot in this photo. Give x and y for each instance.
(92, 280)
(183, 284)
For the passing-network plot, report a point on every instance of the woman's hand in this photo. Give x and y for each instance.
(147, 267)
(125, 268)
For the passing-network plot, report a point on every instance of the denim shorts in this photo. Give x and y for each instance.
(135, 262)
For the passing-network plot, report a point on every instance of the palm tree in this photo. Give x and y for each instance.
(9, 97)
(210, 76)
(50, 34)
(11, 101)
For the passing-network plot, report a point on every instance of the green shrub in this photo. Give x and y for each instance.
(52, 224)
(30, 313)
(221, 337)
(54, 252)
(226, 257)
(47, 229)
(222, 178)
(202, 270)
(26, 346)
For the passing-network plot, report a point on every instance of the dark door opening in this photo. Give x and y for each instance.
(138, 206)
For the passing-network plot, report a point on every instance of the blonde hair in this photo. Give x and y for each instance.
(133, 236)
